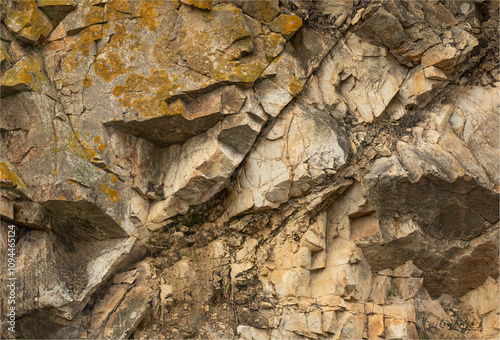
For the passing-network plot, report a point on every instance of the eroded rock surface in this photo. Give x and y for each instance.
(251, 169)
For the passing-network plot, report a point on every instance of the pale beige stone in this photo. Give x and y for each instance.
(434, 73)
(375, 326)
(441, 56)
(380, 287)
(407, 270)
(126, 277)
(404, 312)
(484, 298)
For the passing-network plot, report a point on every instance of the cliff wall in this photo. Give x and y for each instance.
(251, 169)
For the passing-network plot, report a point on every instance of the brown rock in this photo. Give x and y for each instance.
(124, 319)
(387, 27)
(262, 10)
(32, 215)
(56, 10)
(6, 208)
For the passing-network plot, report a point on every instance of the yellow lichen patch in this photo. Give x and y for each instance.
(80, 46)
(273, 44)
(93, 15)
(228, 52)
(87, 82)
(165, 52)
(113, 178)
(178, 107)
(48, 3)
(218, 45)
(91, 153)
(137, 87)
(27, 71)
(7, 173)
(296, 86)
(54, 171)
(109, 62)
(148, 14)
(118, 90)
(286, 24)
(110, 67)
(18, 76)
(19, 15)
(38, 27)
(29, 22)
(97, 139)
(3, 53)
(202, 4)
(113, 194)
(101, 147)
(81, 148)
(87, 133)
(247, 71)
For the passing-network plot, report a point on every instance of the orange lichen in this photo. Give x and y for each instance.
(91, 153)
(110, 67)
(80, 46)
(165, 51)
(27, 71)
(7, 173)
(137, 87)
(113, 178)
(118, 90)
(296, 86)
(286, 24)
(3, 53)
(113, 194)
(97, 139)
(87, 82)
(240, 58)
(82, 149)
(101, 147)
(202, 4)
(94, 15)
(148, 14)
(27, 20)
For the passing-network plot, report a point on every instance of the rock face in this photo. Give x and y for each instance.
(250, 169)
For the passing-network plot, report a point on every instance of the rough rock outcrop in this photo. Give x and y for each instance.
(250, 169)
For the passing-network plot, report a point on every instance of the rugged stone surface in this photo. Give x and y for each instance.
(251, 169)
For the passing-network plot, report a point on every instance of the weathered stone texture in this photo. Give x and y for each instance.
(251, 169)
